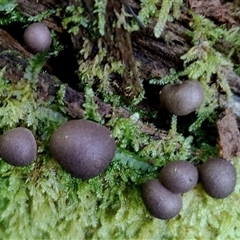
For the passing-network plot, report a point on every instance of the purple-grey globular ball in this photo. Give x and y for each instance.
(37, 37)
(179, 176)
(18, 147)
(218, 177)
(83, 148)
(159, 201)
(182, 99)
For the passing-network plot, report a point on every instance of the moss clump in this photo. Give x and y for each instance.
(42, 201)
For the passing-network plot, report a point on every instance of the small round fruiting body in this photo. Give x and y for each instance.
(37, 37)
(218, 177)
(159, 201)
(18, 147)
(182, 99)
(83, 148)
(179, 176)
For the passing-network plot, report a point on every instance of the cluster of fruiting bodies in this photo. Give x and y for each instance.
(162, 196)
(85, 148)
(82, 147)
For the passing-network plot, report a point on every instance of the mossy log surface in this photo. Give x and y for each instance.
(156, 56)
(57, 206)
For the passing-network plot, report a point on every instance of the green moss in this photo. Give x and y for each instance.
(20, 104)
(173, 146)
(97, 72)
(45, 202)
(74, 18)
(164, 15)
(9, 13)
(90, 107)
(150, 8)
(127, 133)
(43, 15)
(170, 78)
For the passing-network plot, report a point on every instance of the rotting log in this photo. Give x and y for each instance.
(155, 56)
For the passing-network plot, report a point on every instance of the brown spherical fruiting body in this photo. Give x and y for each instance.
(218, 177)
(83, 148)
(159, 201)
(37, 37)
(18, 147)
(182, 99)
(179, 176)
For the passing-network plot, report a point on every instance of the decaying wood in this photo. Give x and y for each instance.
(154, 56)
(223, 13)
(33, 8)
(229, 136)
(118, 41)
(48, 85)
(7, 42)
